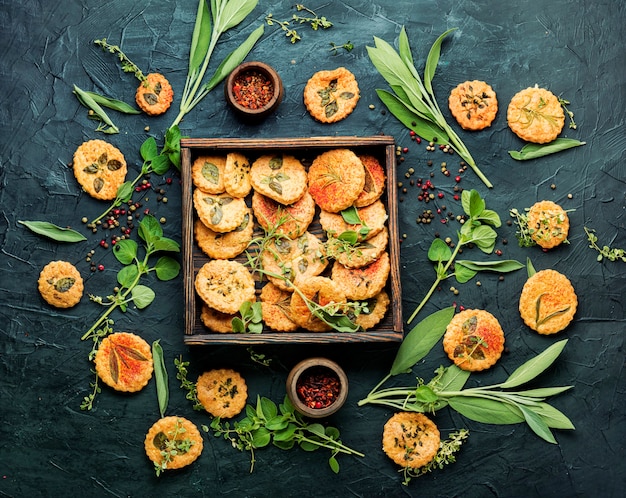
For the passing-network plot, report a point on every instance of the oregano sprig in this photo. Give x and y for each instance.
(612, 254)
(478, 230)
(315, 21)
(126, 251)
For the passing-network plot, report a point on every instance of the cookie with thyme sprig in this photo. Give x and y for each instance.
(545, 224)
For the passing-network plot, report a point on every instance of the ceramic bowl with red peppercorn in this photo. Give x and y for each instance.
(317, 387)
(254, 90)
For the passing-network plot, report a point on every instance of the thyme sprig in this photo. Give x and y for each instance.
(413, 100)
(96, 336)
(172, 446)
(186, 384)
(128, 66)
(315, 21)
(334, 48)
(612, 254)
(477, 230)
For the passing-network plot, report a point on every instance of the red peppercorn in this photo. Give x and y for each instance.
(456, 197)
(457, 179)
(418, 140)
(440, 195)
(498, 252)
(101, 267)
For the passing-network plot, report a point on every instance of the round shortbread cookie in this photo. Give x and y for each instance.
(124, 362)
(224, 245)
(360, 254)
(170, 429)
(373, 217)
(224, 285)
(219, 212)
(411, 440)
(548, 224)
(331, 96)
(365, 282)
(535, 115)
(222, 392)
(154, 95)
(276, 308)
(100, 168)
(289, 220)
(374, 181)
(280, 177)
(321, 291)
(207, 174)
(60, 284)
(377, 308)
(473, 104)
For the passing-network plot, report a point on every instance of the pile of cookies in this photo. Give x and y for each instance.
(268, 208)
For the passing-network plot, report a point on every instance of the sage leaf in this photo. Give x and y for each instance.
(486, 411)
(160, 377)
(533, 151)
(421, 339)
(200, 38)
(544, 392)
(125, 251)
(52, 231)
(404, 49)
(167, 268)
(234, 11)
(142, 296)
(114, 104)
(553, 418)
(501, 266)
(530, 269)
(537, 424)
(433, 59)
(535, 366)
(86, 100)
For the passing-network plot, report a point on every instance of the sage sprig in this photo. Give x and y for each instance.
(533, 151)
(96, 112)
(126, 251)
(493, 404)
(209, 26)
(413, 100)
(477, 230)
(52, 231)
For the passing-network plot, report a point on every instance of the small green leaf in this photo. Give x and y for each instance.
(261, 437)
(462, 273)
(167, 268)
(530, 269)
(351, 216)
(160, 164)
(124, 192)
(53, 231)
(490, 217)
(125, 251)
(149, 149)
(421, 339)
(500, 266)
(165, 244)
(439, 251)
(535, 366)
(238, 326)
(149, 229)
(537, 424)
(317, 429)
(116, 105)
(285, 434)
(142, 296)
(424, 394)
(127, 276)
(334, 464)
(553, 418)
(473, 204)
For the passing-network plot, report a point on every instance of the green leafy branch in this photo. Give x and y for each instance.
(334, 48)
(413, 100)
(126, 251)
(493, 404)
(266, 423)
(316, 22)
(128, 66)
(186, 384)
(476, 230)
(612, 254)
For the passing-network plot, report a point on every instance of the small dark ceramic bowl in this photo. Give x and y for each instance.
(244, 103)
(316, 367)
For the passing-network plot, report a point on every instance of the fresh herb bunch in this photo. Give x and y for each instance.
(95, 103)
(413, 101)
(494, 404)
(612, 254)
(126, 251)
(316, 22)
(476, 230)
(281, 426)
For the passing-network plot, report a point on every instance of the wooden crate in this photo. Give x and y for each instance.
(383, 147)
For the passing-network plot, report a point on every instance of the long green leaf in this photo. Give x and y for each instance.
(486, 411)
(234, 12)
(233, 59)
(533, 151)
(530, 269)
(53, 231)
(500, 266)
(404, 48)
(453, 379)
(537, 424)
(201, 37)
(160, 377)
(553, 418)
(116, 105)
(545, 392)
(432, 60)
(421, 339)
(535, 366)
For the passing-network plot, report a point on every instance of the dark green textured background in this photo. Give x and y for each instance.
(49, 447)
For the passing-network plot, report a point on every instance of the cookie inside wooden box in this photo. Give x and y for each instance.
(279, 229)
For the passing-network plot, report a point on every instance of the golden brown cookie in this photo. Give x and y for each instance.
(276, 308)
(373, 217)
(331, 96)
(535, 115)
(374, 181)
(163, 433)
(336, 179)
(124, 362)
(377, 308)
(411, 439)
(290, 220)
(473, 104)
(548, 224)
(222, 392)
(100, 168)
(548, 302)
(360, 254)
(224, 245)
(474, 340)
(60, 284)
(365, 282)
(216, 321)
(207, 173)
(288, 261)
(279, 176)
(321, 291)
(237, 175)
(224, 285)
(219, 212)
(154, 95)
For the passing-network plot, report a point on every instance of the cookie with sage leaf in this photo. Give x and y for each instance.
(124, 362)
(281, 177)
(60, 284)
(207, 174)
(99, 168)
(219, 212)
(331, 96)
(548, 302)
(224, 245)
(154, 94)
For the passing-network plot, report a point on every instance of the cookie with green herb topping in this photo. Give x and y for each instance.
(124, 362)
(276, 308)
(473, 104)
(331, 96)
(376, 309)
(100, 169)
(336, 179)
(207, 174)
(222, 392)
(374, 181)
(548, 224)
(411, 440)
(360, 254)
(321, 291)
(535, 115)
(365, 282)
(61, 284)
(280, 177)
(173, 443)
(474, 340)
(224, 245)
(154, 95)
(373, 217)
(224, 285)
(548, 302)
(219, 212)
